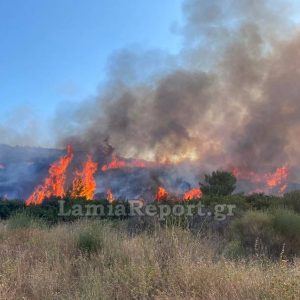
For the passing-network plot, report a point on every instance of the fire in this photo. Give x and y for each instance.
(54, 184)
(193, 194)
(117, 163)
(278, 178)
(110, 197)
(270, 181)
(84, 183)
(161, 194)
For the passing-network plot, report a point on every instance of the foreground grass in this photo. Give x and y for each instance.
(99, 260)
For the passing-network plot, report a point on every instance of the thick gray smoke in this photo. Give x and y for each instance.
(231, 96)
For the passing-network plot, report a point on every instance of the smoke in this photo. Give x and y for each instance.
(230, 97)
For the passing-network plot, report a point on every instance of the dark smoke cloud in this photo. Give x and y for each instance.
(230, 97)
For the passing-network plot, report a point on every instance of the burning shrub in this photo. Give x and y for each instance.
(193, 194)
(219, 183)
(161, 195)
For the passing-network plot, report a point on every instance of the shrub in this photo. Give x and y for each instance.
(287, 225)
(89, 241)
(268, 232)
(238, 200)
(256, 233)
(292, 201)
(261, 201)
(9, 207)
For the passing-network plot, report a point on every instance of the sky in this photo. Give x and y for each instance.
(53, 51)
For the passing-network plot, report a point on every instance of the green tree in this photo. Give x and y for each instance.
(219, 183)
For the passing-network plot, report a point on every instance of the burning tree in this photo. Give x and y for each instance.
(84, 184)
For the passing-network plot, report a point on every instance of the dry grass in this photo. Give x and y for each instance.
(92, 260)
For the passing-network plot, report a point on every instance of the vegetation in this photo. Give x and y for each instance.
(8, 207)
(101, 260)
(253, 254)
(219, 183)
(22, 220)
(266, 222)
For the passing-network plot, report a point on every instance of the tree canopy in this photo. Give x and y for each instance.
(220, 183)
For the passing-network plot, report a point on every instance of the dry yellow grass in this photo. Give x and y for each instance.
(52, 263)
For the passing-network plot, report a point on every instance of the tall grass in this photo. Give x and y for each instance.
(51, 263)
(22, 220)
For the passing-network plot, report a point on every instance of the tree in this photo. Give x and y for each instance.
(219, 183)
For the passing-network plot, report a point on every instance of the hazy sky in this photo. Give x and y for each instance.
(57, 50)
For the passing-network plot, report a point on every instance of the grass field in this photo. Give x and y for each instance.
(101, 260)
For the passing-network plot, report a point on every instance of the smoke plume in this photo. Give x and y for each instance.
(230, 97)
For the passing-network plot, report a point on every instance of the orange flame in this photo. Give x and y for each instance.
(110, 197)
(277, 178)
(117, 163)
(54, 184)
(84, 184)
(193, 194)
(273, 180)
(161, 194)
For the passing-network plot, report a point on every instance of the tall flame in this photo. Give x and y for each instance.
(84, 183)
(161, 194)
(54, 184)
(193, 194)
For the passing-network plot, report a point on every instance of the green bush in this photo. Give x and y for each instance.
(89, 242)
(9, 207)
(292, 201)
(254, 225)
(256, 233)
(49, 209)
(287, 225)
(262, 202)
(268, 232)
(238, 200)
